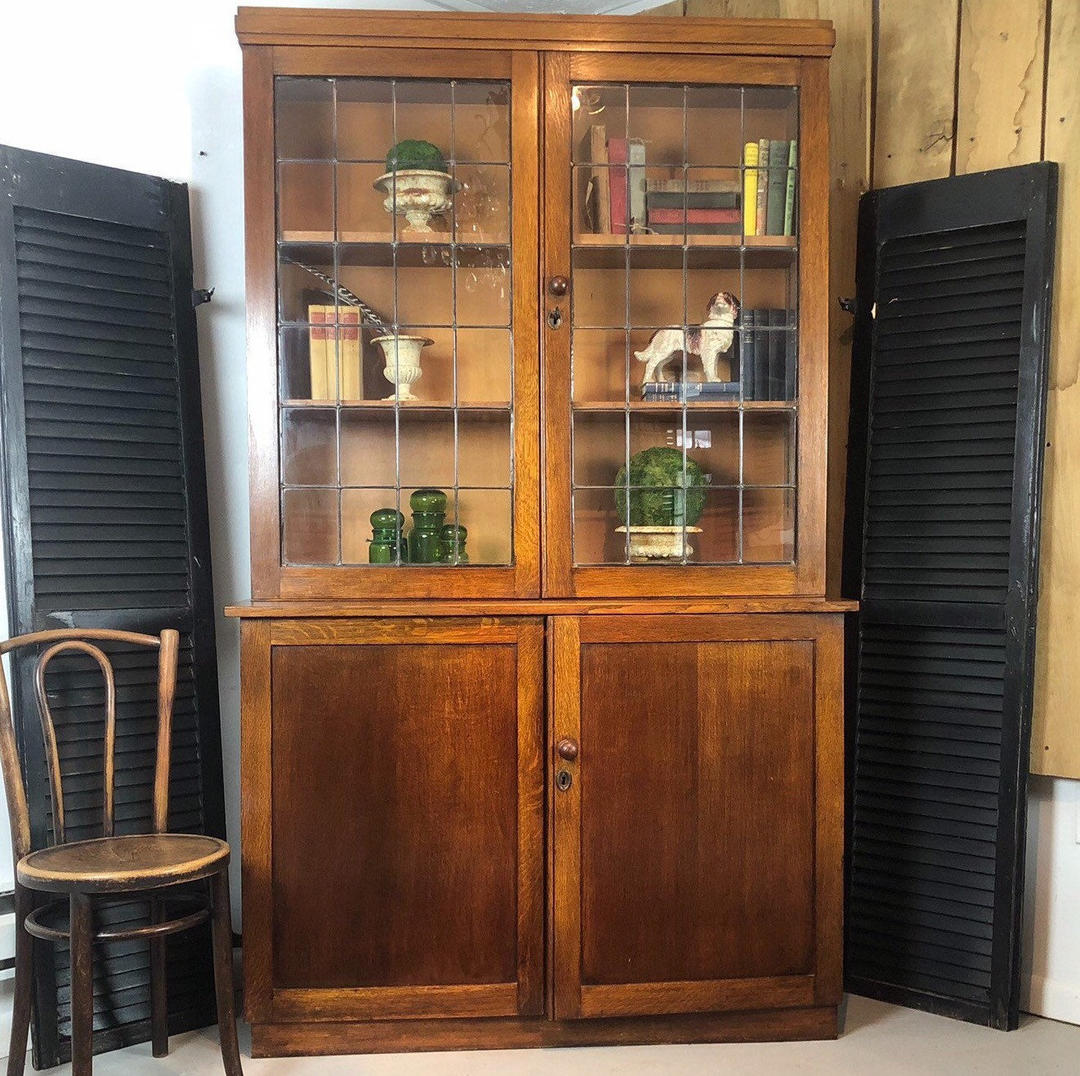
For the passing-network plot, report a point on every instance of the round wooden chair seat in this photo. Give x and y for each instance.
(118, 864)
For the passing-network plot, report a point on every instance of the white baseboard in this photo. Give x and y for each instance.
(1052, 998)
(7, 979)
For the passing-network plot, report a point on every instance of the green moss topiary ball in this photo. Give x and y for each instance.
(661, 468)
(414, 153)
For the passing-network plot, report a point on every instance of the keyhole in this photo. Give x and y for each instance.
(554, 318)
(563, 780)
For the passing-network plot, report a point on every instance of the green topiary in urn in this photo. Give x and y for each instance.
(416, 183)
(415, 153)
(666, 497)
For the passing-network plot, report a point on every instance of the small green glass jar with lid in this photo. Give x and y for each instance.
(452, 544)
(387, 545)
(429, 510)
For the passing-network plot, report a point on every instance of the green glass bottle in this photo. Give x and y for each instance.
(452, 544)
(387, 545)
(429, 510)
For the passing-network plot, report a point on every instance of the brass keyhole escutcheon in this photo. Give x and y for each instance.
(563, 780)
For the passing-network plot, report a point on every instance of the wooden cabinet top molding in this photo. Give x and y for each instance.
(424, 29)
(539, 607)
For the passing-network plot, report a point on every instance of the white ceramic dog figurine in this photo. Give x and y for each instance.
(708, 341)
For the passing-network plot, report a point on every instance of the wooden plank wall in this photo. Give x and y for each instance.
(849, 151)
(928, 88)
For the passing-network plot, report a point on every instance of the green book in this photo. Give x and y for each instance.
(789, 201)
(762, 185)
(774, 213)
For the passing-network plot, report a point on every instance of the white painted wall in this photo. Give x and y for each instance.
(1051, 942)
(155, 87)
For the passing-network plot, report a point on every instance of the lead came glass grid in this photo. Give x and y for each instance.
(753, 495)
(354, 243)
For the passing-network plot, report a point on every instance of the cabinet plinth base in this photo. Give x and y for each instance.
(775, 1025)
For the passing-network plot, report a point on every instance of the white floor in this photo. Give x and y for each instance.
(878, 1040)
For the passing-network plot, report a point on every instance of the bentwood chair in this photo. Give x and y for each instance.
(89, 873)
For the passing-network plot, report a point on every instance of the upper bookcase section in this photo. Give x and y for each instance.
(639, 33)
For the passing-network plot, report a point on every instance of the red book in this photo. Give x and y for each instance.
(694, 216)
(618, 152)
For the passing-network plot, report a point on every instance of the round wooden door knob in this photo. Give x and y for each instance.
(558, 285)
(568, 749)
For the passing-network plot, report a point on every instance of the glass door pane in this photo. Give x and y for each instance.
(684, 323)
(394, 321)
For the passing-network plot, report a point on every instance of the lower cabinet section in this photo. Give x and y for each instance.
(415, 874)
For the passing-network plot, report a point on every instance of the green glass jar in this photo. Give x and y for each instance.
(387, 545)
(452, 545)
(429, 510)
(428, 500)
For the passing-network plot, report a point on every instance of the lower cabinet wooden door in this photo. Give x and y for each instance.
(393, 818)
(697, 798)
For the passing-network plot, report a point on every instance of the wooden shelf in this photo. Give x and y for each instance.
(378, 249)
(691, 405)
(749, 242)
(403, 236)
(441, 406)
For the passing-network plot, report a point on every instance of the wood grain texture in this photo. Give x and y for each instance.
(813, 433)
(555, 343)
(681, 788)
(675, 787)
(260, 257)
(829, 810)
(849, 179)
(566, 822)
(281, 26)
(999, 100)
(119, 864)
(1055, 744)
(256, 843)
(915, 91)
(544, 607)
(388, 1036)
(436, 843)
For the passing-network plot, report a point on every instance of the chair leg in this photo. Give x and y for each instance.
(159, 997)
(82, 984)
(223, 973)
(24, 983)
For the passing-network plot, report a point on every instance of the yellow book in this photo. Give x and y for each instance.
(318, 315)
(348, 352)
(749, 193)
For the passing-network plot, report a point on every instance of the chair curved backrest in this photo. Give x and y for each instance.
(83, 640)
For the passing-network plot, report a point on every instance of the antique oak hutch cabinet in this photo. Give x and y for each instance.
(541, 692)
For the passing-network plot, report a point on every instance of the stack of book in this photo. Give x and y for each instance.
(684, 391)
(769, 186)
(698, 206)
(767, 361)
(334, 353)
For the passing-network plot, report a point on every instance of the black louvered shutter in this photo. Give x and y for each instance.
(106, 525)
(945, 463)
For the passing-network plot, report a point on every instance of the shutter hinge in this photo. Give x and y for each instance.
(201, 295)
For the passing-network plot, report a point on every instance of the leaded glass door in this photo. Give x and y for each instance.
(405, 360)
(686, 448)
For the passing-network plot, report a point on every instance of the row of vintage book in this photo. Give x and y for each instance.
(620, 197)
